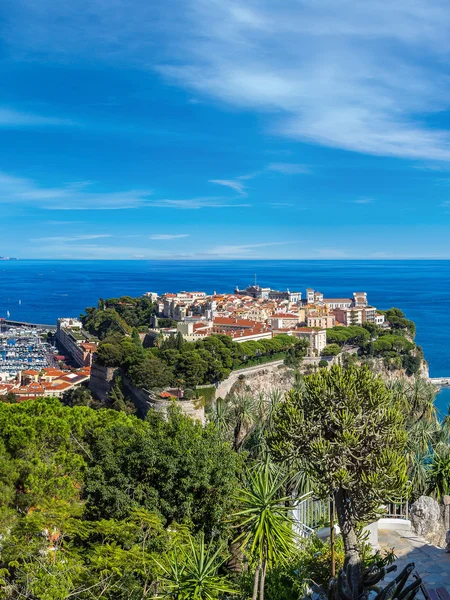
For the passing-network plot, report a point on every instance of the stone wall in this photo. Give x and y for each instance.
(102, 379)
(145, 401)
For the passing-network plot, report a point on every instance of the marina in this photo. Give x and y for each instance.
(22, 348)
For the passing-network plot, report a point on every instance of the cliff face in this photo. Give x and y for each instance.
(377, 366)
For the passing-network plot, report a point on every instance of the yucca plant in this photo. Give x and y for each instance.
(266, 532)
(439, 473)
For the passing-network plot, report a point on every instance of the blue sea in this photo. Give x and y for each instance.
(43, 290)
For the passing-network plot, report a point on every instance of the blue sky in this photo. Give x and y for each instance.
(221, 129)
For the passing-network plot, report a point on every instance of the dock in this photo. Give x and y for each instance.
(440, 381)
(25, 324)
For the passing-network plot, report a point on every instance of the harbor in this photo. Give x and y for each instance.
(22, 348)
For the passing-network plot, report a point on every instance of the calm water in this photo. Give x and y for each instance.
(50, 289)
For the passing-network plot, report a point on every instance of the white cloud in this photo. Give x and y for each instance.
(74, 238)
(346, 78)
(362, 201)
(164, 236)
(60, 223)
(329, 253)
(14, 118)
(289, 168)
(359, 76)
(242, 249)
(25, 192)
(235, 185)
(197, 203)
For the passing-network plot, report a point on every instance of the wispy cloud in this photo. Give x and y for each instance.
(74, 238)
(197, 203)
(25, 192)
(62, 223)
(347, 78)
(168, 236)
(14, 118)
(241, 249)
(325, 79)
(233, 184)
(289, 168)
(362, 201)
(329, 253)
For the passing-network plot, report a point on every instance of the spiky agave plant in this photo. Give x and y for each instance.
(191, 573)
(368, 589)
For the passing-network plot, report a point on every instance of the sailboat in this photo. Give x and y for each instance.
(20, 302)
(8, 314)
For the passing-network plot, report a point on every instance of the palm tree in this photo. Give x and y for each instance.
(265, 523)
(191, 574)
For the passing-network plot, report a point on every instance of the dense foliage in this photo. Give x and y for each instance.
(209, 360)
(87, 496)
(118, 315)
(394, 343)
(346, 431)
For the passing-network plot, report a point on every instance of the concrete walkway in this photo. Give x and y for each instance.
(432, 563)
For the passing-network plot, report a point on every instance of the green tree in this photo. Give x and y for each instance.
(331, 350)
(346, 430)
(151, 373)
(9, 398)
(176, 468)
(439, 473)
(110, 355)
(78, 396)
(117, 398)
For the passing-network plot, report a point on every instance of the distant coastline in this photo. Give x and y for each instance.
(7, 258)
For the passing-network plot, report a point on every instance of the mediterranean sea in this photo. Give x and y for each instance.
(40, 291)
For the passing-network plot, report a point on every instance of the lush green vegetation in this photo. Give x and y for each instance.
(176, 362)
(100, 504)
(88, 497)
(394, 344)
(118, 315)
(335, 412)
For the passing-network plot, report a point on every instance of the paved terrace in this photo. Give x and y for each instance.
(432, 563)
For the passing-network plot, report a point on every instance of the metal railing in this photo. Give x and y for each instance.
(310, 514)
(397, 510)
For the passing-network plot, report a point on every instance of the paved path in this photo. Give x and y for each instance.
(432, 563)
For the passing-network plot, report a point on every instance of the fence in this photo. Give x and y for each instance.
(310, 514)
(397, 510)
